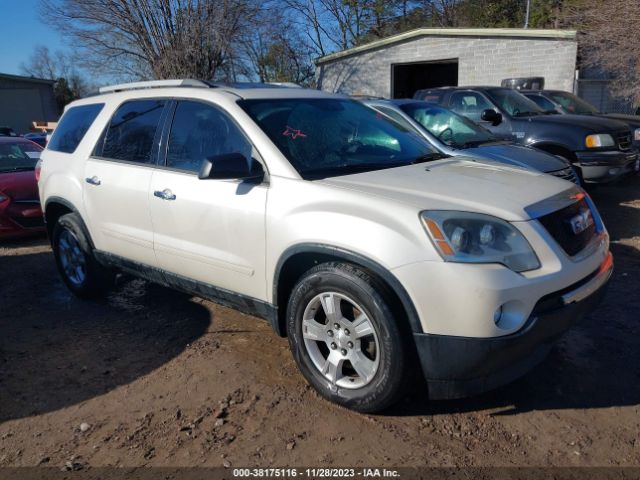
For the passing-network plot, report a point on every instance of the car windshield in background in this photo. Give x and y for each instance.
(331, 137)
(573, 104)
(514, 103)
(450, 128)
(17, 156)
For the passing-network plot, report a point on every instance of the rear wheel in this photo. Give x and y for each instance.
(345, 338)
(79, 269)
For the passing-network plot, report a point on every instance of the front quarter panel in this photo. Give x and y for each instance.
(303, 212)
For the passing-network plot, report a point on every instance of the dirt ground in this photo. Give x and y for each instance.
(151, 377)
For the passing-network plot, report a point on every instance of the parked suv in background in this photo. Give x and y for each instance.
(600, 148)
(332, 222)
(569, 104)
(453, 134)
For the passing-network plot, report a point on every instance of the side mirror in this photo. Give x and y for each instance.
(491, 116)
(231, 166)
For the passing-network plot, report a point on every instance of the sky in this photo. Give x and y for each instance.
(21, 31)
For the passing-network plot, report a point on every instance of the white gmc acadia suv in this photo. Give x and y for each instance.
(377, 256)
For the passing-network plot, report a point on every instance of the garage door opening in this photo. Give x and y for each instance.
(406, 78)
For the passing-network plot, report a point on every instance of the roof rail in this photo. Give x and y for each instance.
(187, 82)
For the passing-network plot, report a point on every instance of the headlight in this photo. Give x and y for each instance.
(3, 197)
(599, 140)
(476, 238)
(636, 135)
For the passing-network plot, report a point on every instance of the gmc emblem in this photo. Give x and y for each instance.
(581, 221)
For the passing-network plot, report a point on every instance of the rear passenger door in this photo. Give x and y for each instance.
(212, 231)
(117, 178)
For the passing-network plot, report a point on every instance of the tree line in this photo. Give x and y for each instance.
(278, 40)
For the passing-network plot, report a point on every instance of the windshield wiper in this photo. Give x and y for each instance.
(429, 157)
(526, 114)
(477, 143)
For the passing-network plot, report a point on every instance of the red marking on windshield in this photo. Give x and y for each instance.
(294, 133)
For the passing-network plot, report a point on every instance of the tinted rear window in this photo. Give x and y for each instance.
(131, 131)
(73, 126)
(431, 96)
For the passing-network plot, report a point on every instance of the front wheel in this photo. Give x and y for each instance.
(345, 337)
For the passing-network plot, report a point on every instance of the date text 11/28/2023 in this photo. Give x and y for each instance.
(315, 473)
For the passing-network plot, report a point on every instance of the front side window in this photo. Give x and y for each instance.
(514, 103)
(469, 104)
(72, 127)
(451, 129)
(324, 137)
(572, 104)
(18, 155)
(130, 133)
(200, 131)
(544, 103)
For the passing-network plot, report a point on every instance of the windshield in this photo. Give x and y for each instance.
(513, 103)
(16, 156)
(331, 137)
(450, 128)
(572, 104)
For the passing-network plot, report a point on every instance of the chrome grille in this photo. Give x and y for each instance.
(567, 174)
(624, 140)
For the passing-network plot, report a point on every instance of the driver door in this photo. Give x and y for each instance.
(211, 231)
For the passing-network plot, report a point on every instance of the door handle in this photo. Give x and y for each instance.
(165, 194)
(93, 180)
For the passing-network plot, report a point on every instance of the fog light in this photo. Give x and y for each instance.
(497, 315)
(613, 171)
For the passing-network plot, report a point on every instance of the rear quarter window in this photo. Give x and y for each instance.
(73, 126)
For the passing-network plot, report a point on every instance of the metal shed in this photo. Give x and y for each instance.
(397, 66)
(24, 100)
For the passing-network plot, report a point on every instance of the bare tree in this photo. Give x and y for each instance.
(277, 53)
(154, 38)
(613, 46)
(59, 66)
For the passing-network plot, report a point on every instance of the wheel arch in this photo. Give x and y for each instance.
(555, 149)
(298, 259)
(54, 208)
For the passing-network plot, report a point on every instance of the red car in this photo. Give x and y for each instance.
(20, 211)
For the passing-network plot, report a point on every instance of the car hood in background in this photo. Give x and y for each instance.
(588, 122)
(633, 120)
(517, 155)
(458, 183)
(19, 185)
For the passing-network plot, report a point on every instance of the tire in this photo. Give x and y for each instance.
(80, 270)
(362, 371)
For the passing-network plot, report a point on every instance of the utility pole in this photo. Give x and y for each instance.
(526, 19)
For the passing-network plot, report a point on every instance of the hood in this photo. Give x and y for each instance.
(19, 185)
(632, 120)
(458, 184)
(591, 123)
(517, 155)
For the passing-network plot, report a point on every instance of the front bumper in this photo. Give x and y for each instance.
(605, 166)
(18, 218)
(456, 367)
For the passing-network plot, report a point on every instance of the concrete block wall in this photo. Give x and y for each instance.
(481, 61)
